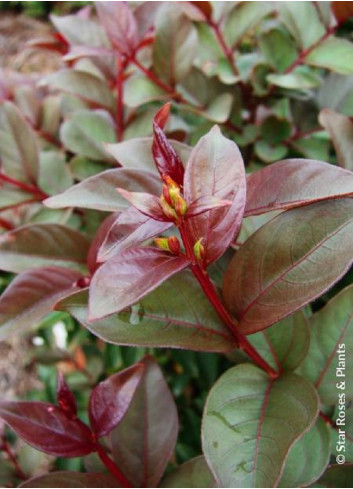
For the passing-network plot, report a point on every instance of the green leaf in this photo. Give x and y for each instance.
(285, 344)
(18, 145)
(217, 111)
(164, 318)
(140, 90)
(174, 49)
(296, 80)
(278, 48)
(268, 153)
(275, 130)
(303, 22)
(54, 175)
(295, 258)
(193, 473)
(83, 85)
(337, 94)
(343, 435)
(40, 245)
(336, 476)
(136, 154)
(340, 129)
(100, 191)
(144, 440)
(335, 54)
(331, 327)
(82, 168)
(250, 423)
(244, 17)
(85, 131)
(308, 457)
(72, 479)
(10, 196)
(79, 31)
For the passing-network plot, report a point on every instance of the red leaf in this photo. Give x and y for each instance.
(127, 277)
(295, 182)
(47, 428)
(215, 169)
(205, 204)
(144, 440)
(131, 228)
(342, 10)
(120, 25)
(111, 399)
(66, 398)
(72, 479)
(31, 295)
(92, 257)
(166, 159)
(146, 203)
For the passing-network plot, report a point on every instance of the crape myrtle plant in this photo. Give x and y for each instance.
(145, 202)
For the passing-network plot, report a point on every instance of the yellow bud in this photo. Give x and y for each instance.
(167, 209)
(199, 250)
(162, 243)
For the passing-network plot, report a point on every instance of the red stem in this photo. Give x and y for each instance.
(119, 99)
(32, 189)
(112, 467)
(226, 49)
(4, 223)
(327, 419)
(210, 292)
(12, 459)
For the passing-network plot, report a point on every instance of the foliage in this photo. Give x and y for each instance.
(143, 205)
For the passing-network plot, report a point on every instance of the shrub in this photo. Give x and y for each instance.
(143, 204)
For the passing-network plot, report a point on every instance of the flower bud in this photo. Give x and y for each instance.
(167, 209)
(199, 250)
(170, 244)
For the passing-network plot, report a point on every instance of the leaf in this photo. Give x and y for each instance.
(166, 158)
(10, 197)
(296, 80)
(136, 154)
(79, 31)
(244, 17)
(308, 458)
(31, 295)
(340, 129)
(65, 397)
(71, 479)
(166, 317)
(303, 22)
(193, 473)
(83, 85)
(342, 11)
(295, 258)
(54, 175)
(110, 400)
(148, 204)
(285, 344)
(175, 44)
(293, 183)
(140, 90)
(331, 328)
(275, 129)
(39, 245)
(144, 440)
(130, 228)
(99, 192)
(127, 277)
(278, 48)
(335, 54)
(18, 145)
(336, 476)
(250, 423)
(85, 131)
(268, 152)
(337, 94)
(218, 110)
(47, 428)
(215, 169)
(120, 25)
